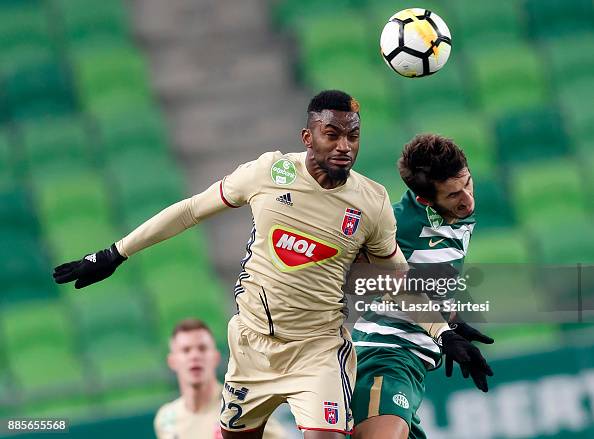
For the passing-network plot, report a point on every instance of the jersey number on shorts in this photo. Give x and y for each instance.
(235, 417)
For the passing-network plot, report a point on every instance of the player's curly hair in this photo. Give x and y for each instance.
(430, 158)
(332, 100)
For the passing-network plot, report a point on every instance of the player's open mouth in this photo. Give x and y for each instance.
(196, 369)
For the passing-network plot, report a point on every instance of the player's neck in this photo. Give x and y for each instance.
(321, 175)
(196, 398)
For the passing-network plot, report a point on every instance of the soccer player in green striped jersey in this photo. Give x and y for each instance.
(435, 222)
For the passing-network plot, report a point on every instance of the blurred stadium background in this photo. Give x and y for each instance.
(112, 110)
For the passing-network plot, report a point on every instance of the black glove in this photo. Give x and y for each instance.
(469, 333)
(457, 348)
(92, 268)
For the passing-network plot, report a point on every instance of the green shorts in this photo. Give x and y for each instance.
(389, 382)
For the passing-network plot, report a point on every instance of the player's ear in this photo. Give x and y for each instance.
(171, 362)
(306, 137)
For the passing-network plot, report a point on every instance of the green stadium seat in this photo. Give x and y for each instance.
(139, 129)
(24, 272)
(549, 19)
(46, 369)
(107, 79)
(25, 34)
(287, 13)
(548, 193)
(88, 22)
(424, 100)
(124, 359)
(503, 86)
(570, 59)
(74, 405)
(145, 397)
(492, 205)
(29, 324)
(469, 130)
(373, 85)
(16, 211)
(531, 135)
(39, 89)
(575, 102)
(502, 246)
(75, 195)
(123, 312)
(492, 23)
(570, 244)
(55, 143)
(6, 162)
(323, 38)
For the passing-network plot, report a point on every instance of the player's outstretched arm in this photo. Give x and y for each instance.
(171, 221)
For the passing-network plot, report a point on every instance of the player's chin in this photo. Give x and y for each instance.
(465, 213)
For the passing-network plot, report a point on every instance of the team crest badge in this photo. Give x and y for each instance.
(331, 412)
(351, 220)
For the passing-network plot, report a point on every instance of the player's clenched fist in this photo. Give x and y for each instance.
(92, 268)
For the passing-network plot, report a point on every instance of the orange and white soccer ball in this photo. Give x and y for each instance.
(415, 42)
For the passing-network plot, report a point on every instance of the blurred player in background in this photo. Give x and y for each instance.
(194, 357)
(312, 215)
(435, 223)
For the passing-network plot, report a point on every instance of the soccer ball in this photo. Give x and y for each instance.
(415, 42)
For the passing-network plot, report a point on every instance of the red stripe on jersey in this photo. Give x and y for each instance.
(386, 257)
(223, 197)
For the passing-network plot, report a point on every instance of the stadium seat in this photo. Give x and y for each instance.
(146, 397)
(492, 206)
(24, 272)
(493, 23)
(53, 144)
(143, 180)
(89, 23)
(6, 162)
(570, 244)
(469, 130)
(287, 13)
(79, 195)
(570, 59)
(504, 246)
(46, 369)
(530, 135)
(373, 85)
(425, 100)
(24, 34)
(45, 322)
(575, 106)
(39, 89)
(16, 211)
(323, 38)
(554, 18)
(124, 360)
(108, 78)
(138, 129)
(548, 192)
(507, 86)
(123, 312)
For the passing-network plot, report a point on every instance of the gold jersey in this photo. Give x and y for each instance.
(175, 421)
(303, 242)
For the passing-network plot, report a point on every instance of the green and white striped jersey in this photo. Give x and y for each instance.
(423, 237)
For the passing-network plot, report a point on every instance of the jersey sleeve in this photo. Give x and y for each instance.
(382, 241)
(242, 184)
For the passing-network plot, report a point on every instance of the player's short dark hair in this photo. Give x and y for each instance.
(190, 324)
(427, 159)
(332, 100)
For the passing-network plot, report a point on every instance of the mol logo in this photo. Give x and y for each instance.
(292, 250)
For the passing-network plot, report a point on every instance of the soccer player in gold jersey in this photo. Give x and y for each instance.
(312, 215)
(194, 357)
